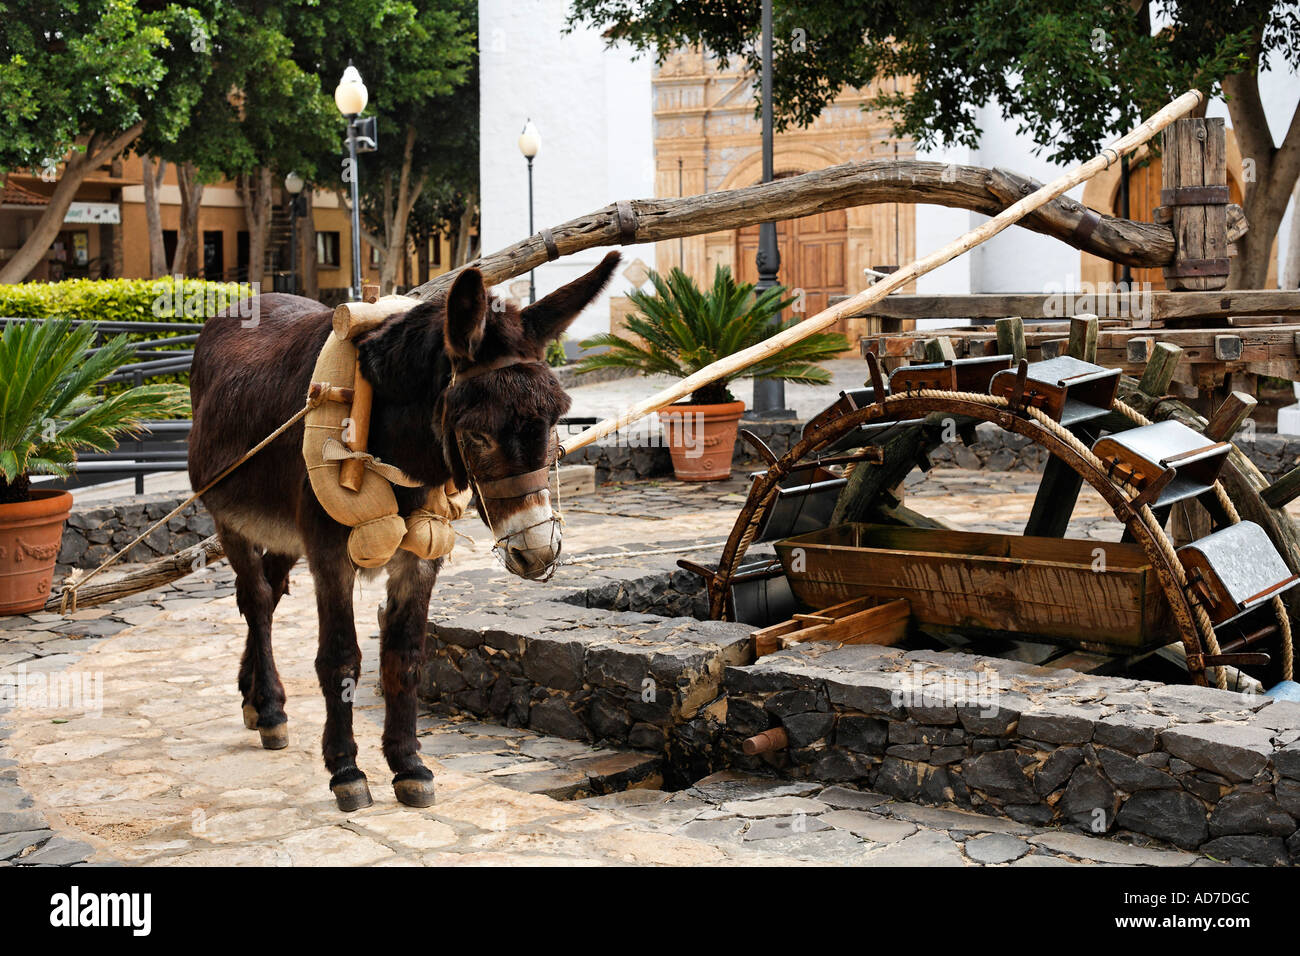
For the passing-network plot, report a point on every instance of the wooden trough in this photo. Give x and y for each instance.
(1088, 594)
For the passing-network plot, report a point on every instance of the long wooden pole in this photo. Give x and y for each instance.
(828, 317)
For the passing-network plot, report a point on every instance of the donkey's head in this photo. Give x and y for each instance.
(500, 412)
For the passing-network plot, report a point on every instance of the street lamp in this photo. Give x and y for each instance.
(530, 141)
(293, 184)
(769, 394)
(351, 96)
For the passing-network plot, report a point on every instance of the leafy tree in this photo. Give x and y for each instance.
(1071, 77)
(80, 80)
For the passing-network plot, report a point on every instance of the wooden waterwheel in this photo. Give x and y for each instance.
(1144, 454)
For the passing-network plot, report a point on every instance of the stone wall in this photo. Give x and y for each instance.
(1195, 767)
(616, 459)
(1200, 768)
(96, 531)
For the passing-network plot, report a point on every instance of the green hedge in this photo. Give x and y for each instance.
(125, 300)
(121, 300)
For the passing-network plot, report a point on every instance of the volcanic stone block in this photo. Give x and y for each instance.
(864, 735)
(1131, 731)
(998, 721)
(1056, 769)
(556, 660)
(1057, 726)
(1244, 813)
(999, 775)
(1089, 799)
(806, 729)
(1170, 815)
(1261, 850)
(1287, 761)
(1131, 776)
(1237, 751)
(555, 715)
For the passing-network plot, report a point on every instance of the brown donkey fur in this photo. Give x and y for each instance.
(250, 376)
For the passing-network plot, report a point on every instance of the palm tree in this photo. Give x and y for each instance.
(47, 411)
(683, 329)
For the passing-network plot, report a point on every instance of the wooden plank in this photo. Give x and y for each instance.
(1164, 305)
(857, 621)
(1083, 338)
(1195, 157)
(574, 480)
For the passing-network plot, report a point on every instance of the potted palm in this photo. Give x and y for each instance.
(48, 414)
(680, 329)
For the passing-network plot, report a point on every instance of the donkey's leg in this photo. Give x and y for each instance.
(268, 692)
(259, 683)
(406, 616)
(338, 662)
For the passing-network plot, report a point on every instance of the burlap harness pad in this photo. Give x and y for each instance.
(371, 511)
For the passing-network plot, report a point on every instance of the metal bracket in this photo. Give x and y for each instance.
(1194, 196)
(552, 250)
(626, 222)
(1184, 268)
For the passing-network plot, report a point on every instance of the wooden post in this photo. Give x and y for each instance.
(1194, 201)
(357, 436)
(1227, 418)
(940, 350)
(1160, 369)
(1083, 338)
(1011, 337)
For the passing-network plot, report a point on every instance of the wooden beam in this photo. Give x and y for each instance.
(1227, 418)
(153, 575)
(1011, 337)
(1283, 491)
(1160, 369)
(1161, 305)
(1083, 338)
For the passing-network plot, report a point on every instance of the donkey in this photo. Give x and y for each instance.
(461, 392)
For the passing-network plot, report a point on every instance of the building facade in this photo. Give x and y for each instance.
(104, 233)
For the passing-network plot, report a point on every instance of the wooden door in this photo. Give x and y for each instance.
(812, 258)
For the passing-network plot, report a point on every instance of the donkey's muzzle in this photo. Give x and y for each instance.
(533, 564)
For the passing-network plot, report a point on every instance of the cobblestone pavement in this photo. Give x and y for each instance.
(165, 773)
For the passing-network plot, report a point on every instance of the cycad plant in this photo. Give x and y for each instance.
(47, 411)
(683, 329)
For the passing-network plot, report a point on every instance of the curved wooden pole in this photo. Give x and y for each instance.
(987, 191)
(856, 303)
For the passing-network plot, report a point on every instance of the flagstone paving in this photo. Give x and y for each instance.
(164, 772)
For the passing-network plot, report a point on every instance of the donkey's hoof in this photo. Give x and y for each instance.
(274, 738)
(250, 716)
(352, 794)
(414, 791)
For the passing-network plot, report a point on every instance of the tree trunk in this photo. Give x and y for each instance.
(307, 248)
(185, 259)
(1290, 273)
(153, 179)
(1275, 171)
(396, 215)
(75, 170)
(463, 253)
(255, 191)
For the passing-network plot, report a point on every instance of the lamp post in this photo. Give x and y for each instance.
(769, 394)
(293, 184)
(530, 141)
(351, 96)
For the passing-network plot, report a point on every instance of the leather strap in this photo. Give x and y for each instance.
(505, 361)
(552, 250)
(516, 486)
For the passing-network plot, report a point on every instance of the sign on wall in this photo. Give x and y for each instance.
(107, 212)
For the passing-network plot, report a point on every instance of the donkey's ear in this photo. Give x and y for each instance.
(466, 314)
(546, 319)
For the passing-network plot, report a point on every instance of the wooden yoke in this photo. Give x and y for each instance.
(358, 435)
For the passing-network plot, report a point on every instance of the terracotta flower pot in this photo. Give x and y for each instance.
(701, 439)
(30, 533)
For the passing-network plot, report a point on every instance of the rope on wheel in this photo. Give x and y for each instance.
(1201, 618)
(1230, 509)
